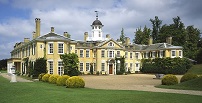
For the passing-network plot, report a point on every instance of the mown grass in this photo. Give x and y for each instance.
(40, 92)
(195, 84)
(196, 69)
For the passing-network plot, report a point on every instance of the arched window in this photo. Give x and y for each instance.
(111, 44)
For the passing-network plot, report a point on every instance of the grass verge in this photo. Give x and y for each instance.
(40, 92)
(195, 84)
(196, 69)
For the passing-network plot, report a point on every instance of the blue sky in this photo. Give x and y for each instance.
(76, 16)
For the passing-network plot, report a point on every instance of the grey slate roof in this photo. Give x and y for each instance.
(52, 36)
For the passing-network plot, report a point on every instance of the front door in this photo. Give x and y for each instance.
(110, 69)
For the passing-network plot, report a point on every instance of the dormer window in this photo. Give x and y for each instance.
(111, 44)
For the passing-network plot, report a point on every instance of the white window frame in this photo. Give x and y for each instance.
(131, 55)
(137, 55)
(81, 55)
(102, 53)
(60, 50)
(173, 53)
(60, 68)
(180, 53)
(87, 53)
(50, 48)
(33, 49)
(81, 67)
(110, 44)
(118, 53)
(51, 65)
(111, 53)
(126, 54)
(87, 66)
(102, 66)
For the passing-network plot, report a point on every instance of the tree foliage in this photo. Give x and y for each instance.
(121, 65)
(3, 64)
(70, 63)
(39, 67)
(166, 65)
(142, 37)
(122, 36)
(156, 26)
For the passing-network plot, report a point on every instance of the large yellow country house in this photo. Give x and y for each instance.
(94, 49)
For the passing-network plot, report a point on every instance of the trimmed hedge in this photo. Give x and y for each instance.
(169, 80)
(53, 78)
(166, 65)
(46, 77)
(61, 81)
(75, 82)
(188, 76)
(40, 76)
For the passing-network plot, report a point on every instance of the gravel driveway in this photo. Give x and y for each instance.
(140, 82)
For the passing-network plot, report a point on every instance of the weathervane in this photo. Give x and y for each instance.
(96, 14)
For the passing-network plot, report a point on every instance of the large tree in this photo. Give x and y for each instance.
(191, 48)
(156, 26)
(70, 63)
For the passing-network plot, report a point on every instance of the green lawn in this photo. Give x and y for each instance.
(196, 69)
(195, 84)
(40, 92)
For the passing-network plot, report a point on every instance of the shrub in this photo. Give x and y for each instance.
(169, 80)
(188, 76)
(75, 82)
(40, 76)
(46, 77)
(61, 81)
(53, 78)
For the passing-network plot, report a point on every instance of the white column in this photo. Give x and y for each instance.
(115, 68)
(107, 68)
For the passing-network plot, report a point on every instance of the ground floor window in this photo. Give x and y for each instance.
(103, 66)
(50, 67)
(87, 66)
(60, 68)
(81, 66)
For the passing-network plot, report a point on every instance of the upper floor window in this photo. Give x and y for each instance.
(50, 48)
(81, 53)
(131, 55)
(137, 55)
(87, 53)
(103, 53)
(60, 48)
(111, 54)
(118, 54)
(126, 54)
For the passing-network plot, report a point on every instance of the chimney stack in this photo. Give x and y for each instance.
(85, 36)
(150, 42)
(169, 40)
(108, 36)
(52, 30)
(26, 40)
(34, 34)
(127, 40)
(37, 20)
